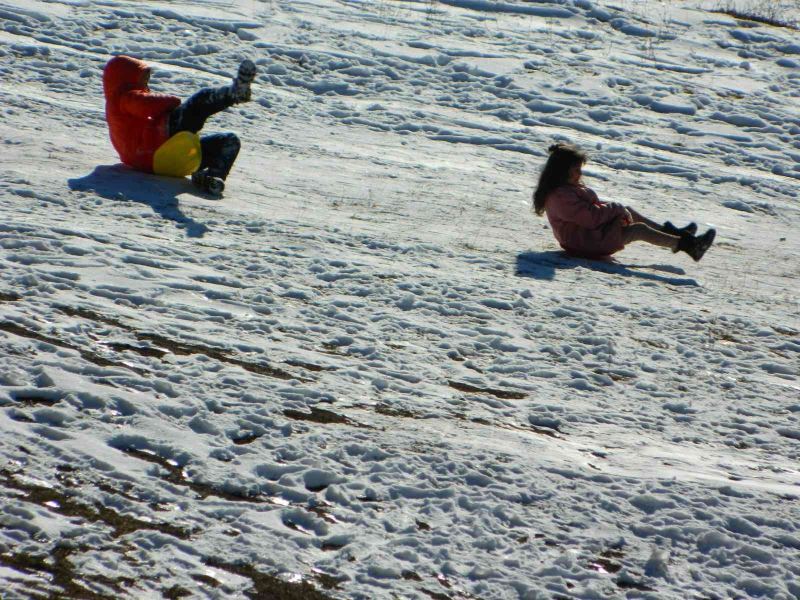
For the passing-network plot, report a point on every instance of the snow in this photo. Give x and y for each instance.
(368, 371)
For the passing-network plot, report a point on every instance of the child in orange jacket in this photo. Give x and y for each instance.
(140, 121)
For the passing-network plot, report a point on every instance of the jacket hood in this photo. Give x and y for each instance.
(123, 73)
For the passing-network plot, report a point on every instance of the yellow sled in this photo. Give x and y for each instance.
(179, 156)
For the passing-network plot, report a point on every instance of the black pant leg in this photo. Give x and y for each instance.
(219, 153)
(191, 115)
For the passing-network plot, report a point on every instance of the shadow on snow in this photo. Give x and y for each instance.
(543, 265)
(118, 182)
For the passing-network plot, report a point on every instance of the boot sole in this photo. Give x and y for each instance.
(210, 185)
(247, 72)
(244, 78)
(704, 243)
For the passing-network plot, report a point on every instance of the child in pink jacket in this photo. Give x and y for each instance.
(586, 227)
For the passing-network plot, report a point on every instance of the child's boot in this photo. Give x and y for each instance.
(240, 88)
(696, 246)
(208, 182)
(671, 229)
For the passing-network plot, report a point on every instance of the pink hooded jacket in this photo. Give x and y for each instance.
(582, 224)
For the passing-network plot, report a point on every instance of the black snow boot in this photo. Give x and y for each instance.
(696, 246)
(671, 229)
(240, 88)
(208, 182)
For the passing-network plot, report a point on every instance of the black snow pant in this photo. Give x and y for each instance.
(219, 149)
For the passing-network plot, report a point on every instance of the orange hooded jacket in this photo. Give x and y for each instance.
(137, 120)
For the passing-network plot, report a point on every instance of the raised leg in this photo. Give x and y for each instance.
(666, 227)
(642, 232)
(191, 115)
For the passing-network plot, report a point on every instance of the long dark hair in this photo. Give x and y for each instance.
(556, 171)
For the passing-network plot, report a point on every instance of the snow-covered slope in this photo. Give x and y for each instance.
(368, 372)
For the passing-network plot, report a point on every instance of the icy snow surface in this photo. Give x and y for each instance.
(368, 372)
